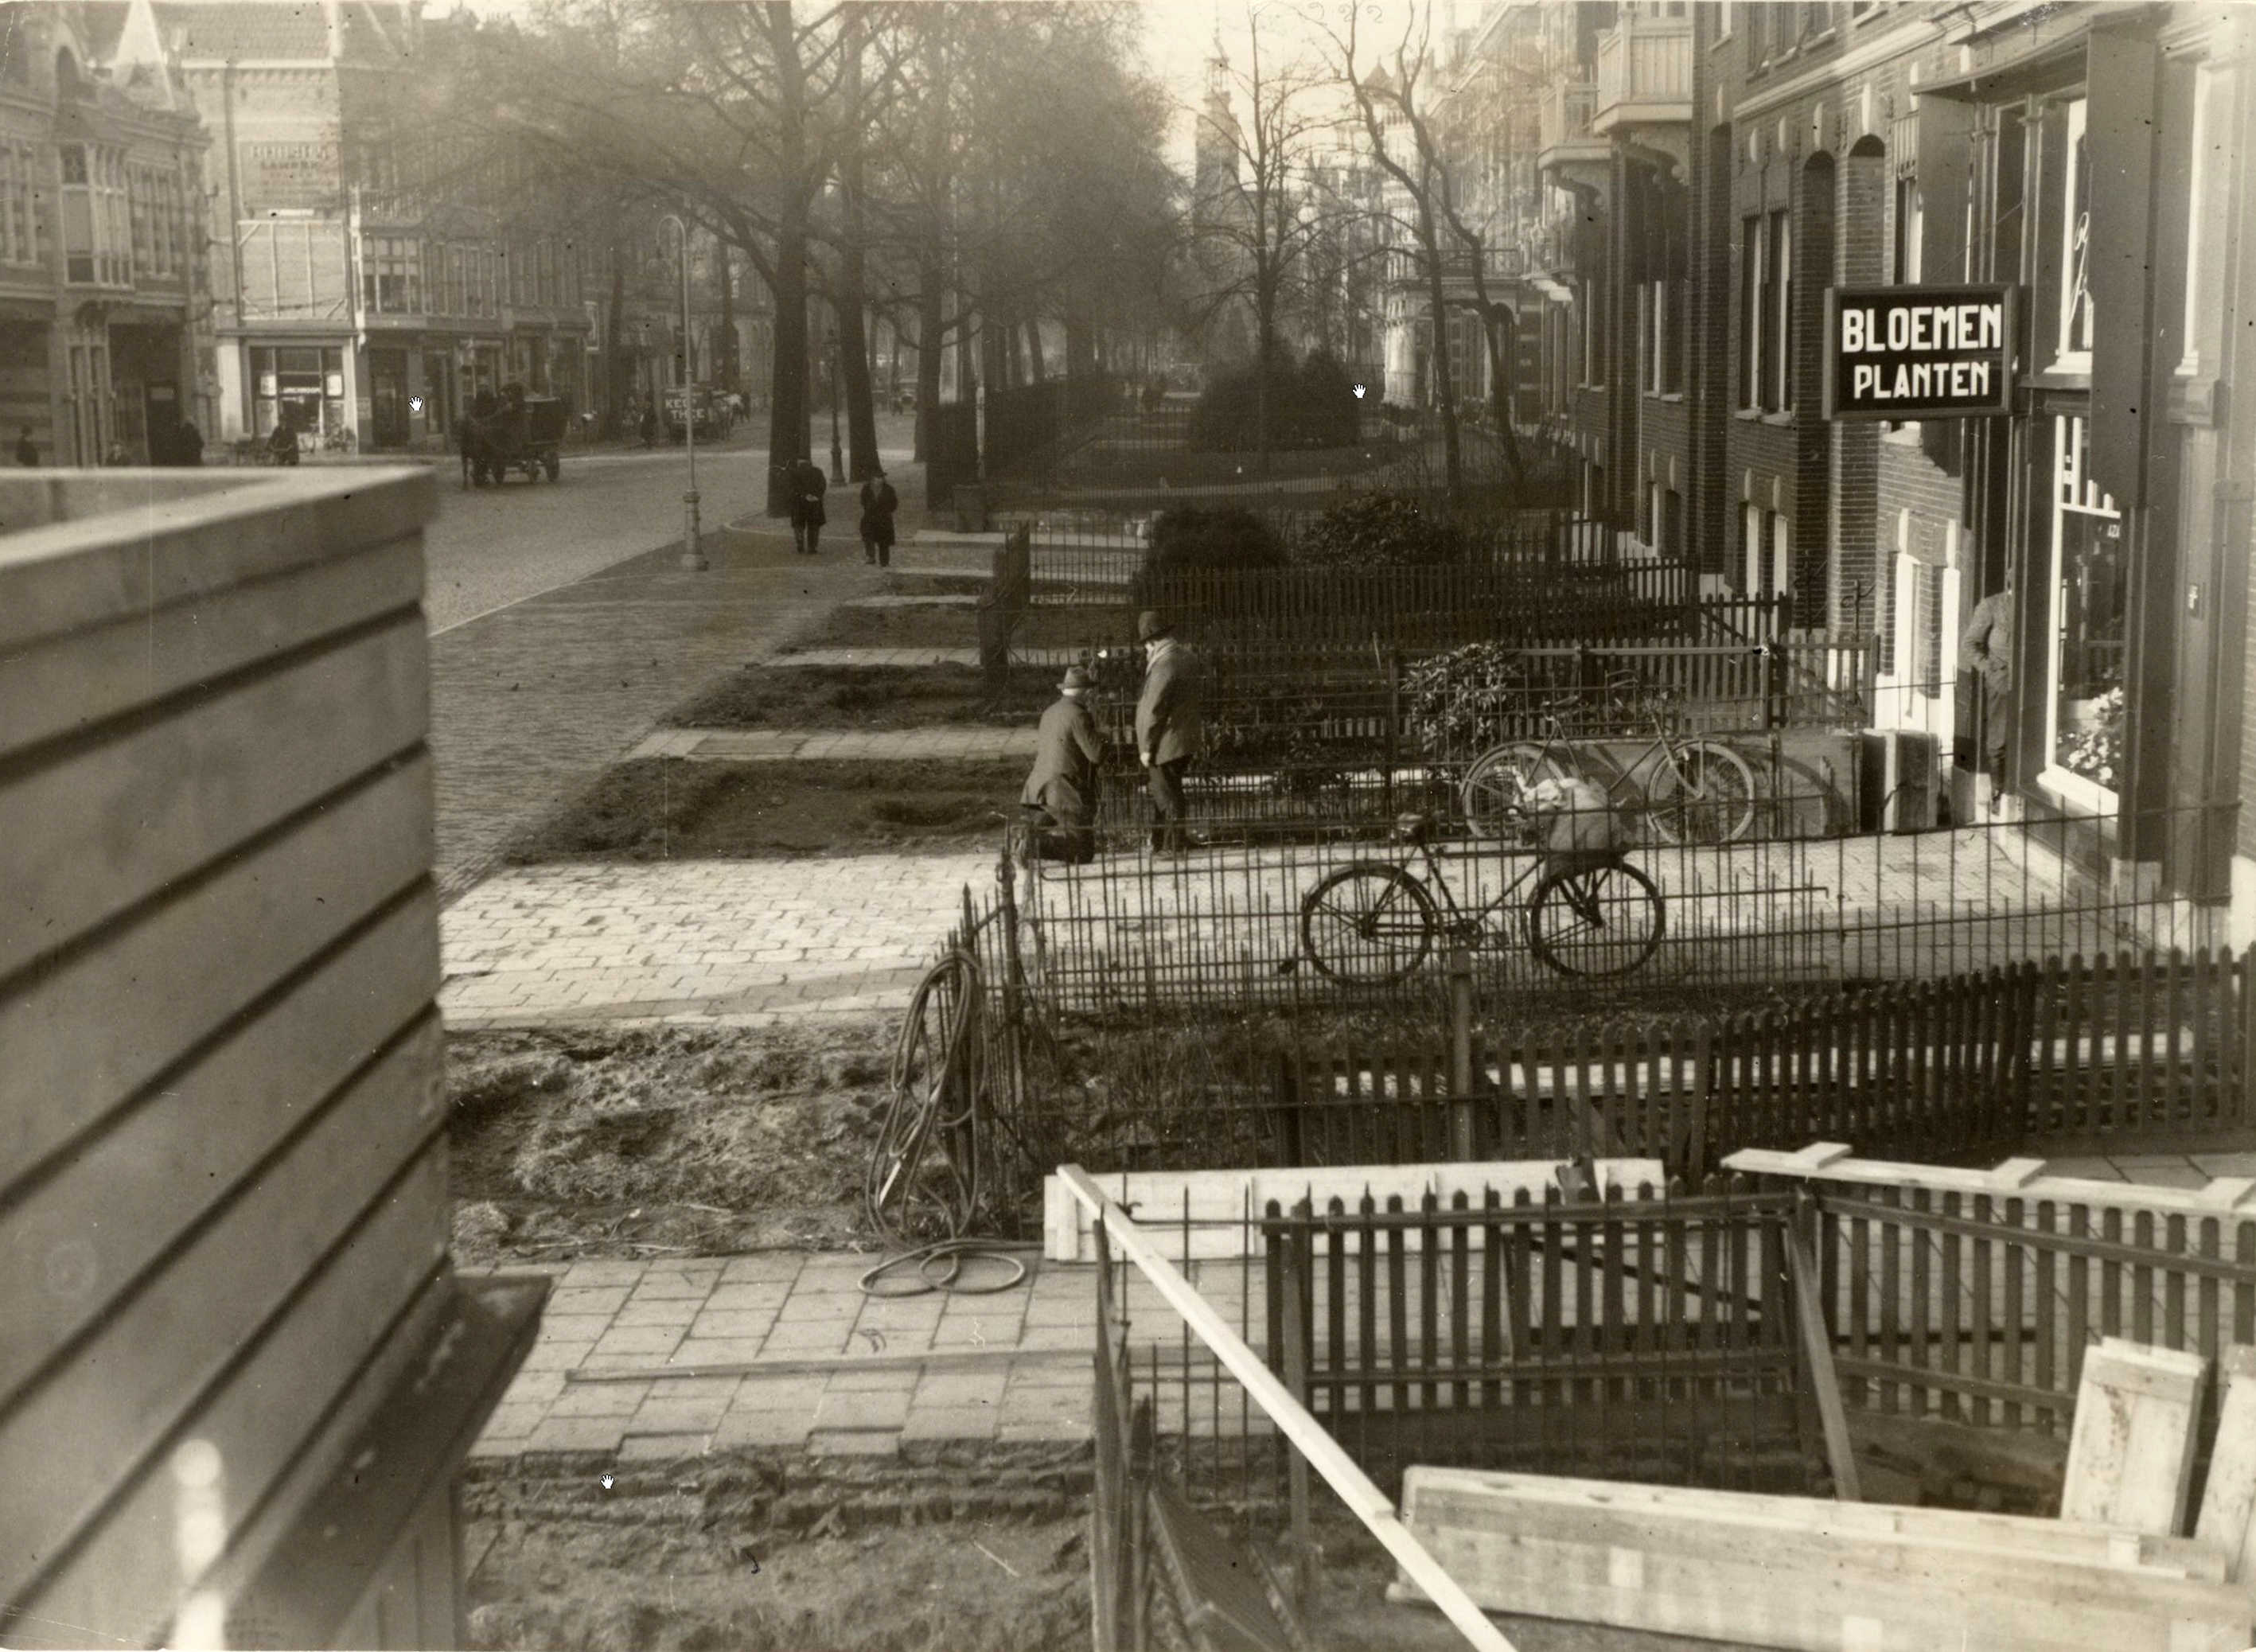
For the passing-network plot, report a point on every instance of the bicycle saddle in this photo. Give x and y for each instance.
(1413, 828)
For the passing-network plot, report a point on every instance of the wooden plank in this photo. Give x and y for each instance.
(114, 1208)
(2227, 1521)
(266, 1406)
(79, 575)
(2130, 1452)
(1354, 1488)
(80, 679)
(89, 1422)
(1765, 1572)
(1818, 1363)
(264, 915)
(1217, 1196)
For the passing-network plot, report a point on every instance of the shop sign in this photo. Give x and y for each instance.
(1917, 352)
(284, 174)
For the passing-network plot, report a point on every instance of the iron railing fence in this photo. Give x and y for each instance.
(1240, 925)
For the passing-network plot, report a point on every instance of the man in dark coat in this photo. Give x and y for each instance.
(878, 504)
(1170, 730)
(1062, 785)
(1986, 648)
(808, 486)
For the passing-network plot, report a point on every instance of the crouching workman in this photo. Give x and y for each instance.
(1062, 787)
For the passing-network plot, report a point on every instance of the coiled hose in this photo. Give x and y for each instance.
(921, 1190)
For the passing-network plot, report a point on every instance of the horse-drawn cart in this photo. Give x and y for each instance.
(522, 433)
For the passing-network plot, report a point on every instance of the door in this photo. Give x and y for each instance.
(160, 407)
(387, 378)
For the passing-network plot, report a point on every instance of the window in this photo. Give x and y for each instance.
(391, 275)
(158, 222)
(1754, 273)
(546, 269)
(2074, 269)
(305, 385)
(1778, 352)
(457, 301)
(1903, 257)
(2084, 710)
(1816, 19)
(97, 230)
(18, 187)
(1758, 32)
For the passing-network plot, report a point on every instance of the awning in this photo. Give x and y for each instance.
(2044, 68)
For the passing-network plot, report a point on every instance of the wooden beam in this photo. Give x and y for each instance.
(2227, 1522)
(2130, 1451)
(1818, 1363)
(1364, 1500)
(1802, 1573)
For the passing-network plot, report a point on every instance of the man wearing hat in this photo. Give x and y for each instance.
(1062, 786)
(1169, 730)
(878, 504)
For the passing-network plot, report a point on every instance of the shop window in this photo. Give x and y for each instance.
(2083, 707)
(305, 384)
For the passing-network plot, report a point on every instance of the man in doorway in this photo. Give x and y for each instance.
(27, 451)
(1060, 790)
(1170, 730)
(1986, 648)
(807, 484)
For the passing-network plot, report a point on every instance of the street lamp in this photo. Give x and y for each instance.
(692, 551)
(837, 461)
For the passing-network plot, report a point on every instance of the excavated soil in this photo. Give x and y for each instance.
(658, 1141)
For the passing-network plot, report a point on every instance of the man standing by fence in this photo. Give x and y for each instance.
(1062, 787)
(1169, 728)
(1986, 648)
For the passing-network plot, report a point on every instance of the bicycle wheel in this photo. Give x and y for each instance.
(1594, 921)
(1496, 786)
(1367, 924)
(922, 1178)
(1705, 795)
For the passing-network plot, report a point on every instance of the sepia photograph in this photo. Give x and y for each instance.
(1146, 825)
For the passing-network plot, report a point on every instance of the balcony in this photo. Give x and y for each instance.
(1645, 75)
(1568, 151)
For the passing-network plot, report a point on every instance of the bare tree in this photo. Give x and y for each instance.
(1387, 94)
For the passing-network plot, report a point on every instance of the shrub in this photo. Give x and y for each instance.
(1379, 530)
(1312, 405)
(1191, 536)
(1456, 704)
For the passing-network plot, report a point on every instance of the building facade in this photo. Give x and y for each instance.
(104, 306)
(368, 287)
(1706, 174)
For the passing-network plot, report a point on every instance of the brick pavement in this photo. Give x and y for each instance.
(536, 700)
(731, 942)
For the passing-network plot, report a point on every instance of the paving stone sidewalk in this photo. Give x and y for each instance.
(727, 942)
(625, 1364)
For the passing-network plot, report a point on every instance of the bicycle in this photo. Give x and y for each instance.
(1372, 922)
(1695, 790)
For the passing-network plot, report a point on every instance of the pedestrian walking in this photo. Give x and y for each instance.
(808, 486)
(27, 451)
(1060, 790)
(1170, 730)
(878, 504)
(1986, 648)
(648, 425)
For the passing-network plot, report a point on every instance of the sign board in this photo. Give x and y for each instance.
(1919, 352)
(284, 174)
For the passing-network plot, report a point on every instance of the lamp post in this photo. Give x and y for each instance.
(837, 460)
(692, 551)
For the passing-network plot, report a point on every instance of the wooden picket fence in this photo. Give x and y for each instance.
(2128, 1052)
(1652, 1338)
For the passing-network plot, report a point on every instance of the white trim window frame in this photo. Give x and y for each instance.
(1753, 308)
(2073, 494)
(2072, 343)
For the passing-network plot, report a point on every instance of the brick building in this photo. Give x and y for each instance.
(368, 285)
(1736, 161)
(103, 300)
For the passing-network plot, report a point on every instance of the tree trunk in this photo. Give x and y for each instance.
(853, 342)
(725, 369)
(1445, 394)
(1035, 370)
(932, 325)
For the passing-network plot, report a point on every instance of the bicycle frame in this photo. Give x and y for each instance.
(1456, 911)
